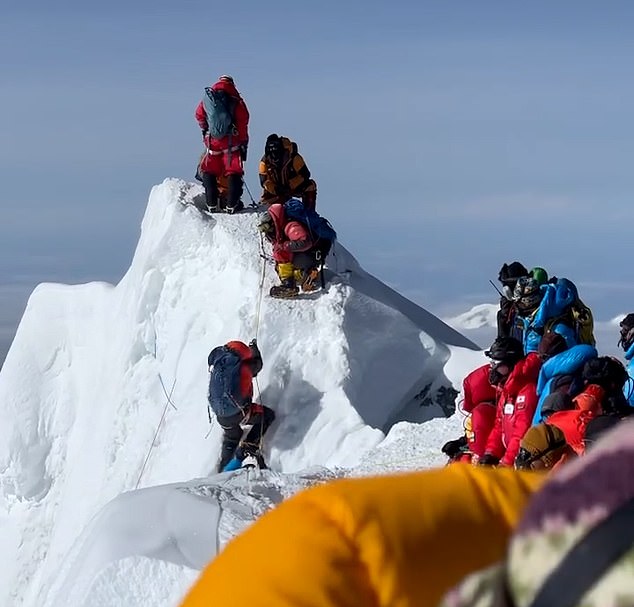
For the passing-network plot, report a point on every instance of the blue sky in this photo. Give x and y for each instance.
(445, 137)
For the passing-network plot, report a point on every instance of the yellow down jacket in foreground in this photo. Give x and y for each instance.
(395, 540)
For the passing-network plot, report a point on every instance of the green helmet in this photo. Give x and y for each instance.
(540, 275)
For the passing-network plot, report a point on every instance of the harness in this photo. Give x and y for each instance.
(234, 148)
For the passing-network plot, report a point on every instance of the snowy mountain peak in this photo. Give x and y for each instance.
(481, 315)
(104, 387)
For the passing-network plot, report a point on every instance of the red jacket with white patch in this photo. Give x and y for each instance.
(479, 400)
(516, 405)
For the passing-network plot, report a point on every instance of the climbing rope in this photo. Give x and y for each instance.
(168, 402)
(261, 288)
(168, 396)
(257, 327)
(147, 457)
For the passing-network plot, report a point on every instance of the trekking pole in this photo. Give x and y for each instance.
(246, 185)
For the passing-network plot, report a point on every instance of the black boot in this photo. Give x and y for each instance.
(287, 290)
(234, 204)
(211, 191)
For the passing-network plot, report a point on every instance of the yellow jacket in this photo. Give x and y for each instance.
(387, 541)
(291, 178)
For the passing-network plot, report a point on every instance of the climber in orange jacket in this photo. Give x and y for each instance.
(384, 541)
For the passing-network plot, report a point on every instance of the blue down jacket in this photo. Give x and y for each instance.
(569, 362)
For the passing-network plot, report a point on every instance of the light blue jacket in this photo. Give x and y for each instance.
(556, 299)
(628, 388)
(568, 362)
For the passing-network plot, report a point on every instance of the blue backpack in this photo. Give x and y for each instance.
(219, 106)
(319, 228)
(224, 382)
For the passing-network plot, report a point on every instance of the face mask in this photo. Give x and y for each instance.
(627, 338)
(498, 372)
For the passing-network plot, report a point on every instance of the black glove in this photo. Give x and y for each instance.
(489, 460)
(243, 152)
(205, 133)
(253, 346)
(452, 448)
(524, 459)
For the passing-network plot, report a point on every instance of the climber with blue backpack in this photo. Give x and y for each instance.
(223, 118)
(232, 368)
(301, 240)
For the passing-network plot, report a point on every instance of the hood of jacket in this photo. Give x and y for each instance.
(567, 362)
(526, 371)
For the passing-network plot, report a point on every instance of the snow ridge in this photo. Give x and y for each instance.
(83, 388)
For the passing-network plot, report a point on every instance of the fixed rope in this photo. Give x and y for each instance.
(168, 402)
(261, 289)
(168, 396)
(257, 327)
(147, 457)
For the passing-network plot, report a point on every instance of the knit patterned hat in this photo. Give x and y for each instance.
(574, 546)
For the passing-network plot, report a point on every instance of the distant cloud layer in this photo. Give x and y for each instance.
(445, 138)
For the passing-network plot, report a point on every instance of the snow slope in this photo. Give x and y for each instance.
(104, 387)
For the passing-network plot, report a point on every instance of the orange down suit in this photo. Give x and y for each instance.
(395, 541)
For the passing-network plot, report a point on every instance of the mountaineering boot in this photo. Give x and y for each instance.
(233, 464)
(250, 461)
(211, 191)
(287, 287)
(234, 192)
(251, 456)
(284, 292)
(235, 209)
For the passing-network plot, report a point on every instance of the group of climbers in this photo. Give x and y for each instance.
(532, 304)
(459, 536)
(223, 118)
(543, 399)
(546, 393)
(300, 238)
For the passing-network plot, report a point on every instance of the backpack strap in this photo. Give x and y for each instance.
(589, 560)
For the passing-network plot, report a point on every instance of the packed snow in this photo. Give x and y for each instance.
(104, 413)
